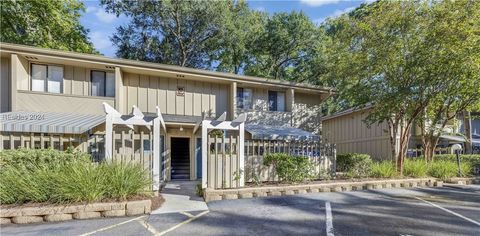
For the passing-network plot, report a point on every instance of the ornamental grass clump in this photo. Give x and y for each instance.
(447, 169)
(60, 177)
(415, 168)
(384, 169)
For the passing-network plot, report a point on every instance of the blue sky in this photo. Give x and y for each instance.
(102, 25)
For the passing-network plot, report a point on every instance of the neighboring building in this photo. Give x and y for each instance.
(55, 99)
(348, 131)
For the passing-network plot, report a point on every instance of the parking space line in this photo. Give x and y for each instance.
(329, 219)
(149, 227)
(449, 211)
(186, 214)
(111, 226)
(183, 223)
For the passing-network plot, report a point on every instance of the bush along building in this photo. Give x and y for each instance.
(179, 123)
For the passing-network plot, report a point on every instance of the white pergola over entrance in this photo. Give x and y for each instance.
(221, 124)
(135, 118)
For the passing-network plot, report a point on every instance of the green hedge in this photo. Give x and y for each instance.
(290, 168)
(58, 177)
(354, 164)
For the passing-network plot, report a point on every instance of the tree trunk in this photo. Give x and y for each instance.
(467, 129)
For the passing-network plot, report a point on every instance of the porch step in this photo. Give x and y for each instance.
(180, 176)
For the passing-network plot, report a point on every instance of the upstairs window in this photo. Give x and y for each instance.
(244, 98)
(276, 101)
(102, 83)
(47, 78)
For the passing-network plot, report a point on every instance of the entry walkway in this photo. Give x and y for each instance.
(180, 197)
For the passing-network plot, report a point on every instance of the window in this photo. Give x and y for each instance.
(276, 101)
(47, 78)
(244, 98)
(102, 84)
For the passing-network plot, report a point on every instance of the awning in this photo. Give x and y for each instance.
(45, 122)
(279, 133)
(453, 138)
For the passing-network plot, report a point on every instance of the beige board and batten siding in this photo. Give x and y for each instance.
(147, 92)
(351, 134)
(307, 112)
(5, 85)
(75, 97)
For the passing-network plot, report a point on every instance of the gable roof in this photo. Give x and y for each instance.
(16, 48)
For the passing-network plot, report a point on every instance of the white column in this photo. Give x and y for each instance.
(242, 154)
(156, 154)
(108, 137)
(204, 152)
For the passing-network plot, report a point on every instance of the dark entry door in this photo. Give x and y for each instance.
(180, 158)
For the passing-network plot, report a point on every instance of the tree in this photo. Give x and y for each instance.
(170, 31)
(242, 26)
(285, 48)
(455, 58)
(382, 54)
(49, 24)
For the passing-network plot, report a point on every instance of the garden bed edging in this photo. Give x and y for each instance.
(53, 213)
(253, 192)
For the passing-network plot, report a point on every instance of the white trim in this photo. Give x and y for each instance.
(114, 117)
(220, 123)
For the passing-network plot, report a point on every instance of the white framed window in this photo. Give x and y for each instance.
(276, 101)
(102, 83)
(244, 98)
(47, 78)
(39, 76)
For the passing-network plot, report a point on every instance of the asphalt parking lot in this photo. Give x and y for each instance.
(451, 210)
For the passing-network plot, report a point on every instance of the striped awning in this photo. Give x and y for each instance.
(279, 133)
(45, 122)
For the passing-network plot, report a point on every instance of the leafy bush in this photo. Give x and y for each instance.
(384, 169)
(60, 178)
(355, 164)
(290, 168)
(415, 168)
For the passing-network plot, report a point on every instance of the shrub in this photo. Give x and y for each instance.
(290, 168)
(447, 169)
(355, 164)
(384, 169)
(415, 168)
(61, 178)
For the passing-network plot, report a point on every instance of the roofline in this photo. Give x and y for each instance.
(16, 48)
(347, 112)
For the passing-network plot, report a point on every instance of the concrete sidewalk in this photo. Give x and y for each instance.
(180, 197)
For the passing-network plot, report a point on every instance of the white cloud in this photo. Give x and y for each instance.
(100, 40)
(105, 17)
(101, 15)
(336, 13)
(317, 3)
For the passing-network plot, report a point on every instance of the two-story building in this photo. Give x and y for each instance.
(51, 98)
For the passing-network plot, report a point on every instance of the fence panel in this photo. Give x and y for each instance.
(321, 155)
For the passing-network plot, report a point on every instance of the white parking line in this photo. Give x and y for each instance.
(183, 223)
(111, 226)
(328, 217)
(449, 211)
(148, 227)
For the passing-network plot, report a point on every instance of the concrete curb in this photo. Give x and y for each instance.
(54, 213)
(255, 192)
